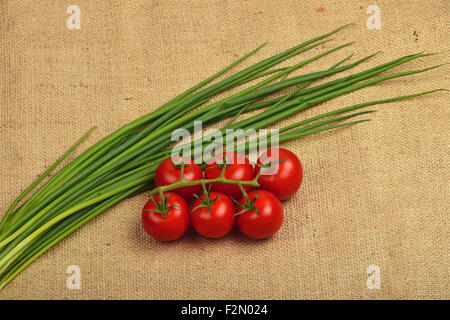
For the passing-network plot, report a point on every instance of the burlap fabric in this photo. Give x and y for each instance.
(373, 194)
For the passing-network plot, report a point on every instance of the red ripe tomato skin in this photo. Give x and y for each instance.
(269, 220)
(219, 222)
(167, 173)
(176, 223)
(290, 173)
(239, 168)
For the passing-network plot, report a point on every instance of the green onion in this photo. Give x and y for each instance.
(123, 164)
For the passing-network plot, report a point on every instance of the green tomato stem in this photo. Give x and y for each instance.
(187, 183)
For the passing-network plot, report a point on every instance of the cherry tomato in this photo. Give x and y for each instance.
(219, 221)
(237, 168)
(168, 228)
(284, 177)
(168, 173)
(266, 221)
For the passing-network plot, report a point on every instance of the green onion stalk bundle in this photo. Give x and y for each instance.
(123, 164)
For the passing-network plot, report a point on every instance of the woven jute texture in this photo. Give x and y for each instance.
(373, 194)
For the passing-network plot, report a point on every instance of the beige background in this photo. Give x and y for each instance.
(376, 193)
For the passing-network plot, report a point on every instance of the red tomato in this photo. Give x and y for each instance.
(286, 175)
(168, 173)
(219, 221)
(174, 225)
(238, 168)
(264, 223)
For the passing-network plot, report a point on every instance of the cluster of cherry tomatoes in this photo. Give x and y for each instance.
(213, 213)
